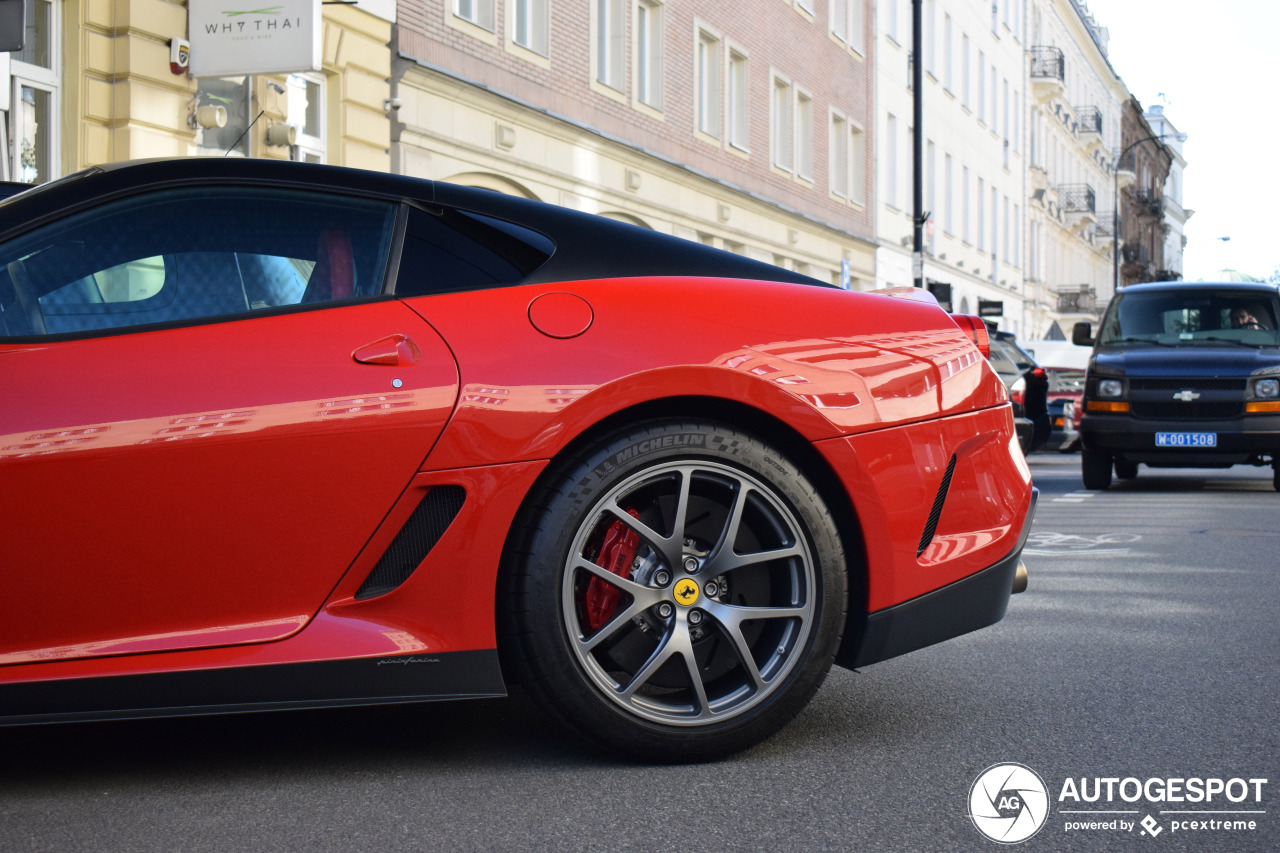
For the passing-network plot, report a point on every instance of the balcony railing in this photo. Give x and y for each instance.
(1137, 254)
(1105, 229)
(1080, 299)
(1078, 198)
(1088, 120)
(1149, 203)
(1048, 63)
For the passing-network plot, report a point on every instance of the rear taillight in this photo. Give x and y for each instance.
(976, 329)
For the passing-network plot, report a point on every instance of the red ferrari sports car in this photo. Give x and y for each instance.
(278, 436)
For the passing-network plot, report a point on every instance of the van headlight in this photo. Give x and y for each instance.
(1266, 389)
(1112, 388)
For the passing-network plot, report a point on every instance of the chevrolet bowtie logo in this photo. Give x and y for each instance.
(1186, 396)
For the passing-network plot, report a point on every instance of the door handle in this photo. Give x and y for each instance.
(393, 350)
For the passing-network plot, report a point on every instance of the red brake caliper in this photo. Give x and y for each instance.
(616, 554)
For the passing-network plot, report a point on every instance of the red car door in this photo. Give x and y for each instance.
(209, 481)
(205, 485)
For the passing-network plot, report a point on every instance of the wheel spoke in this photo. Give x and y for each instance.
(695, 679)
(639, 592)
(727, 560)
(729, 535)
(660, 656)
(667, 546)
(611, 627)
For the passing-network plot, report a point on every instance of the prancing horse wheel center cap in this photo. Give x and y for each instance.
(686, 592)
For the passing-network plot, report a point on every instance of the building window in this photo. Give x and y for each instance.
(306, 112)
(610, 47)
(946, 54)
(982, 218)
(804, 135)
(737, 100)
(34, 99)
(838, 167)
(781, 124)
(964, 71)
(982, 86)
(1017, 236)
(857, 165)
(964, 204)
(846, 22)
(846, 160)
(931, 187)
(891, 160)
(707, 83)
(893, 20)
(838, 12)
(994, 106)
(649, 53)
(1004, 243)
(529, 25)
(930, 37)
(478, 12)
(995, 229)
(948, 210)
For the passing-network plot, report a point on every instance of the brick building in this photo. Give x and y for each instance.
(743, 126)
(1141, 177)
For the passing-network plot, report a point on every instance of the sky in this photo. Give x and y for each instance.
(1213, 66)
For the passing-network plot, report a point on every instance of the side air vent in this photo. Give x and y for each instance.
(415, 540)
(931, 525)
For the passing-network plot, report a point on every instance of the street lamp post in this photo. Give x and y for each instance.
(1115, 205)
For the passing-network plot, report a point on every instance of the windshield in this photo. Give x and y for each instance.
(1173, 317)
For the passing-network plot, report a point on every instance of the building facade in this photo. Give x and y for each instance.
(1075, 135)
(745, 127)
(973, 165)
(1175, 215)
(1142, 171)
(94, 84)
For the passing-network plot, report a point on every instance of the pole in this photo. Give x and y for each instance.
(917, 143)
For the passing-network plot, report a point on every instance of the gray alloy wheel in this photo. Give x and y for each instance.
(685, 603)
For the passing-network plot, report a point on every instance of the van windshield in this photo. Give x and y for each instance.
(1189, 316)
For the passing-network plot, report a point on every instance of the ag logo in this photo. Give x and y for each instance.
(1008, 803)
(686, 591)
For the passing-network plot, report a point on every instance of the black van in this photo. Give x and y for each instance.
(1182, 375)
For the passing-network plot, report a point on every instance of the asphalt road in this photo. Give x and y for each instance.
(1146, 648)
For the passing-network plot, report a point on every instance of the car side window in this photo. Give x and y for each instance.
(447, 250)
(183, 255)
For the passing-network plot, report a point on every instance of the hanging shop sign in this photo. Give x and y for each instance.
(235, 37)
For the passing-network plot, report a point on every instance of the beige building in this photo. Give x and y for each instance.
(745, 127)
(1074, 127)
(974, 159)
(93, 84)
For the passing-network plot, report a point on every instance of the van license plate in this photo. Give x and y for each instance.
(1186, 439)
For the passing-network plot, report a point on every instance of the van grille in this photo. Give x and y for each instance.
(1177, 411)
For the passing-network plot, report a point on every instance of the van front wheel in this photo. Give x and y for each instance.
(1095, 468)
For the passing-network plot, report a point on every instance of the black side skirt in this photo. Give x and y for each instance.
(970, 603)
(275, 687)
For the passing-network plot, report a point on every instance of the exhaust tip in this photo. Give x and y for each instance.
(1020, 578)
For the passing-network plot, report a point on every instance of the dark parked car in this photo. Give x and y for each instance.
(1066, 390)
(1028, 386)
